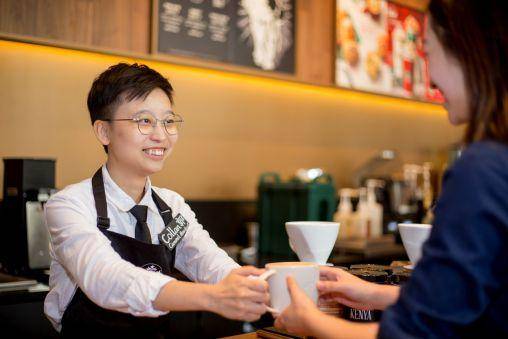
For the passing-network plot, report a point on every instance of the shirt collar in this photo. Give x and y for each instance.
(122, 200)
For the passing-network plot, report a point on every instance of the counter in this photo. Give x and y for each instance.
(22, 312)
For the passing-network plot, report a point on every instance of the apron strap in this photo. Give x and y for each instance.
(100, 200)
(164, 210)
(167, 216)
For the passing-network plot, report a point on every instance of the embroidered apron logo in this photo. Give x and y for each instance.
(174, 232)
(152, 267)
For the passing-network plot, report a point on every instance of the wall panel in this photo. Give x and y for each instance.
(236, 126)
(111, 24)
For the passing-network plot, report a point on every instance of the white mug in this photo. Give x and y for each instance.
(305, 274)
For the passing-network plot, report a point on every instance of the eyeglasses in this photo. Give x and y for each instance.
(147, 123)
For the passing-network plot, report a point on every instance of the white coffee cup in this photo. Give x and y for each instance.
(312, 241)
(305, 274)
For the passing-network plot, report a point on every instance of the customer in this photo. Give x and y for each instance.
(460, 286)
(117, 240)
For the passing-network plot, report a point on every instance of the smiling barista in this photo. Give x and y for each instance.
(116, 239)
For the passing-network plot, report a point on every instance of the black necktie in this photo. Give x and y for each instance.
(142, 231)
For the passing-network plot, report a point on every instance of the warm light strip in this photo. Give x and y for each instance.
(327, 91)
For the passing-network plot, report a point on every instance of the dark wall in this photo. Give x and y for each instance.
(225, 220)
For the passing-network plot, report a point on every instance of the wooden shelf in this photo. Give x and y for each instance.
(87, 26)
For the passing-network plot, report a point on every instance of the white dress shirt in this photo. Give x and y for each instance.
(82, 255)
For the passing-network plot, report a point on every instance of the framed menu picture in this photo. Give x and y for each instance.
(253, 33)
(380, 49)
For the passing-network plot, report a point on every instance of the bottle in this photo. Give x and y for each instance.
(344, 214)
(375, 209)
(428, 191)
(362, 227)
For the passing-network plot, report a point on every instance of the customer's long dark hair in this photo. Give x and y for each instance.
(475, 32)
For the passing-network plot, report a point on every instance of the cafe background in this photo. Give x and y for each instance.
(239, 121)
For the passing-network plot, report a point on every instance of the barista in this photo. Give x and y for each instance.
(116, 239)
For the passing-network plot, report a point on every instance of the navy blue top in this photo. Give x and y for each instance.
(460, 286)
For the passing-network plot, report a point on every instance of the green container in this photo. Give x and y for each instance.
(294, 200)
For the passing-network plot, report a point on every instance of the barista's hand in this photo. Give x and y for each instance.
(298, 317)
(338, 285)
(239, 297)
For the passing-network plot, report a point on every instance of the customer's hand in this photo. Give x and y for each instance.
(338, 285)
(297, 317)
(239, 297)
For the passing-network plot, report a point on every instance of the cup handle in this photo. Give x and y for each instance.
(263, 276)
(273, 311)
(267, 274)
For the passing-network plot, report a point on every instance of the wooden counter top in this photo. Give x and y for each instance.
(243, 336)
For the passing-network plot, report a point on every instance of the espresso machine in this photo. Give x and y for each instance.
(406, 196)
(24, 241)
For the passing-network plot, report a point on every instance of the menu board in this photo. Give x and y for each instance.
(380, 49)
(254, 33)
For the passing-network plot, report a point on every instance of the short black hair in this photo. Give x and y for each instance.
(123, 82)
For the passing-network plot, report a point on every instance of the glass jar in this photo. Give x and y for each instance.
(372, 267)
(399, 276)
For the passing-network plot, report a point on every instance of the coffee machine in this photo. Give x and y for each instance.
(24, 241)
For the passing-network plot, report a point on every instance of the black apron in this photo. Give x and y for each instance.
(83, 317)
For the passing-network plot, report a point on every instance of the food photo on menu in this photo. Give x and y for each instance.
(380, 49)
